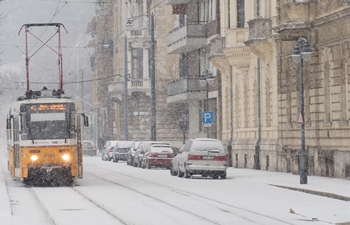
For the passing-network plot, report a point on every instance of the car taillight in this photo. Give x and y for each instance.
(194, 157)
(221, 158)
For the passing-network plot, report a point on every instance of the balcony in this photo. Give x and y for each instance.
(259, 30)
(187, 38)
(185, 89)
(295, 20)
(178, 2)
(236, 37)
(216, 47)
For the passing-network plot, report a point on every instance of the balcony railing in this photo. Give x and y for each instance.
(259, 29)
(137, 33)
(184, 85)
(187, 38)
(139, 85)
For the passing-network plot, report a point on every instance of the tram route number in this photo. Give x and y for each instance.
(49, 156)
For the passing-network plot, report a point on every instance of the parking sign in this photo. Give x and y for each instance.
(207, 117)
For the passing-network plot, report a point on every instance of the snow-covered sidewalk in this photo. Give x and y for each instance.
(5, 207)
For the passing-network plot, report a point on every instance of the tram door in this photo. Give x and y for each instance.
(16, 146)
(80, 152)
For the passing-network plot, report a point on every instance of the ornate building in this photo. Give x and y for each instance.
(261, 84)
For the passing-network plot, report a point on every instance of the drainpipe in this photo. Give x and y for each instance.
(257, 145)
(229, 148)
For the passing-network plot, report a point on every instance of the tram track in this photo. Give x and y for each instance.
(100, 206)
(48, 216)
(158, 200)
(228, 208)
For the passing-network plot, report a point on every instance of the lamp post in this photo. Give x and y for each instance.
(126, 133)
(153, 81)
(300, 53)
(205, 79)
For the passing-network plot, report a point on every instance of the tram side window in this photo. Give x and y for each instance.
(24, 126)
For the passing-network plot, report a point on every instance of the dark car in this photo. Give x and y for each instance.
(120, 150)
(89, 148)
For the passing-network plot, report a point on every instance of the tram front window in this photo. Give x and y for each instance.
(48, 126)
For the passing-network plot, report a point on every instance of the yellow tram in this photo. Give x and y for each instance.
(44, 134)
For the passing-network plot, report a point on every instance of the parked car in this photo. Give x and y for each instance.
(131, 152)
(89, 148)
(120, 150)
(138, 155)
(175, 160)
(202, 156)
(107, 152)
(157, 155)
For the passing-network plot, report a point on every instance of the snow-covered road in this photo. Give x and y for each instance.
(114, 193)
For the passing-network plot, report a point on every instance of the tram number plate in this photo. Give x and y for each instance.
(49, 156)
(162, 156)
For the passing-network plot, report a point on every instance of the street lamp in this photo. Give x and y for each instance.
(151, 72)
(205, 79)
(300, 53)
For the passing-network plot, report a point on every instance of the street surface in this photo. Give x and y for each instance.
(114, 193)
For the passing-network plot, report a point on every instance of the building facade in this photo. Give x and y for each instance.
(197, 81)
(246, 46)
(261, 84)
(128, 92)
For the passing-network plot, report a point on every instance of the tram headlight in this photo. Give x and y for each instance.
(34, 157)
(65, 157)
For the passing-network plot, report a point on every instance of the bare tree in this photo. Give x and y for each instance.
(179, 113)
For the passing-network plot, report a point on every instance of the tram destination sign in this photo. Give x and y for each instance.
(47, 107)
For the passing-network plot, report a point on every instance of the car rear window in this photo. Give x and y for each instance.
(123, 150)
(161, 149)
(207, 145)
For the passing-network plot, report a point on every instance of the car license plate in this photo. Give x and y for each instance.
(207, 157)
(162, 156)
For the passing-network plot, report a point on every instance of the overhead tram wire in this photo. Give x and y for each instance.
(53, 16)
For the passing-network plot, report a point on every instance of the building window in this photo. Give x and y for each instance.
(240, 14)
(229, 13)
(137, 63)
(184, 65)
(182, 20)
(203, 13)
(212, 10)
(257, 8)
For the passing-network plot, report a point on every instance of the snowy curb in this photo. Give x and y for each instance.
(320, 193)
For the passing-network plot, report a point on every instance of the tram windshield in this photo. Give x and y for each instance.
(46, 121)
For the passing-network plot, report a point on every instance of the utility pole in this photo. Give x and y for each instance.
(125, 89)
(153, 82)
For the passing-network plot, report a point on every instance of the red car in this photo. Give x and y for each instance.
(158, 155)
